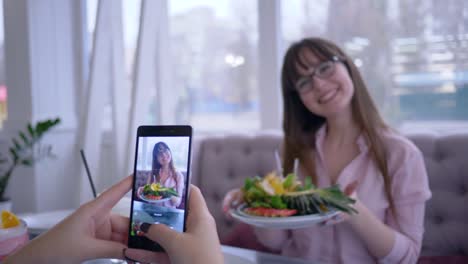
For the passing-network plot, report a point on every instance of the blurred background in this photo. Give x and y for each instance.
(106, 66)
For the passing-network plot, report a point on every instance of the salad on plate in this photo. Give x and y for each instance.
(155, 192)
(272, 198)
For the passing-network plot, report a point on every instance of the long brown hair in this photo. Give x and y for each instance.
(300, 125)
(156, 166)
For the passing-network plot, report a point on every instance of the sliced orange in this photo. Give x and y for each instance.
(9, 219)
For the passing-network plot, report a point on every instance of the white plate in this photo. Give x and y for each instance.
(140, 194)
(290, 222)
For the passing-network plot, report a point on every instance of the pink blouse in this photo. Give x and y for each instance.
(338, 243)
(178, 186)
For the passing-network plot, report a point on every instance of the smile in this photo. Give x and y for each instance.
(328, 96)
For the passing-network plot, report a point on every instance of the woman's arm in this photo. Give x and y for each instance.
(399, 239)
(378, 237)
(392, 242)
(175, 201)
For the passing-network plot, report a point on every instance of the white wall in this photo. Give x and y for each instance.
(42, 80)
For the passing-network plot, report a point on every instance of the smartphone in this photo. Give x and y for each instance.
(161, 178)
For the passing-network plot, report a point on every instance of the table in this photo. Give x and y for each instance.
(40, 222)
(232, 255)
(235, 255)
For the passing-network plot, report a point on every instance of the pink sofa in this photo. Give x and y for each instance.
(221, 163)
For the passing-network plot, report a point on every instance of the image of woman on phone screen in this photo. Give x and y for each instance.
(165, 174)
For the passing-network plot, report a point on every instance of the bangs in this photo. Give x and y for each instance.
(161, 148)
(295, 58)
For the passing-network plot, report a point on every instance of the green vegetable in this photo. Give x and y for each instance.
(305, 198)
(164, 191)
(277, 203)
(259, 204)
(289, 181)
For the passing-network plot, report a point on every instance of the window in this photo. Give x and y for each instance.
(213, 50)
(412, 54)
(130, 26)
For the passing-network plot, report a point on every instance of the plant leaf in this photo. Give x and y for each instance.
(39, 129)
(30, 130)
(16, 144)
(27, 162)
(14, 154)
(24, 138)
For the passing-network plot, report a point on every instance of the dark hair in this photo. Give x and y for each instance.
(158, 148)
(300, 125)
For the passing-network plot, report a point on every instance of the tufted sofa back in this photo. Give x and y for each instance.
(446, 220)
(221, 163)
(142, 177)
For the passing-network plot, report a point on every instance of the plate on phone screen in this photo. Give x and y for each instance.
(289, 222)
(149, 200)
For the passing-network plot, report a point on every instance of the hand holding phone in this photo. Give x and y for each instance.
(200, 243)
(160, 181)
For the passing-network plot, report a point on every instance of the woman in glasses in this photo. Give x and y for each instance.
(333, 127)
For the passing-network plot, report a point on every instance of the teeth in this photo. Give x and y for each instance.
(327, 97)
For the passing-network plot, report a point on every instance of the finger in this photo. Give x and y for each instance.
(232, 200)
(330, 222)
(110, 197)
(161, 234)
(227, 202)
(323, 223)
(351, 188)
(119, 224)
(144, 256)
(197, 204)
(119, 237)
(338, 218)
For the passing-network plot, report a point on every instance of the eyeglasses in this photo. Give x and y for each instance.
(162, 150)
(322, 71)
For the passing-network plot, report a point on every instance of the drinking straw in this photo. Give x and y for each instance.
(83, 158)
(296, 166)
(279, 168)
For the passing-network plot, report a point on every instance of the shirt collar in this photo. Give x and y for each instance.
(361, 141)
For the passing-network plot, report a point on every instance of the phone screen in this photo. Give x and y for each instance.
(161, 181)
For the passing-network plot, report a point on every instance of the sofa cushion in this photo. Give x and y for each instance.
(446, 220)
(225, 162)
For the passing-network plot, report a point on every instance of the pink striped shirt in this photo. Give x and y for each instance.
(338, 243)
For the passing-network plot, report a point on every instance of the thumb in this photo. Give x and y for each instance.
(163, 235)
(197, 204)
(351, 188)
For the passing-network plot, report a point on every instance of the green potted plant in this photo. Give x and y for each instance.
(26, 149)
